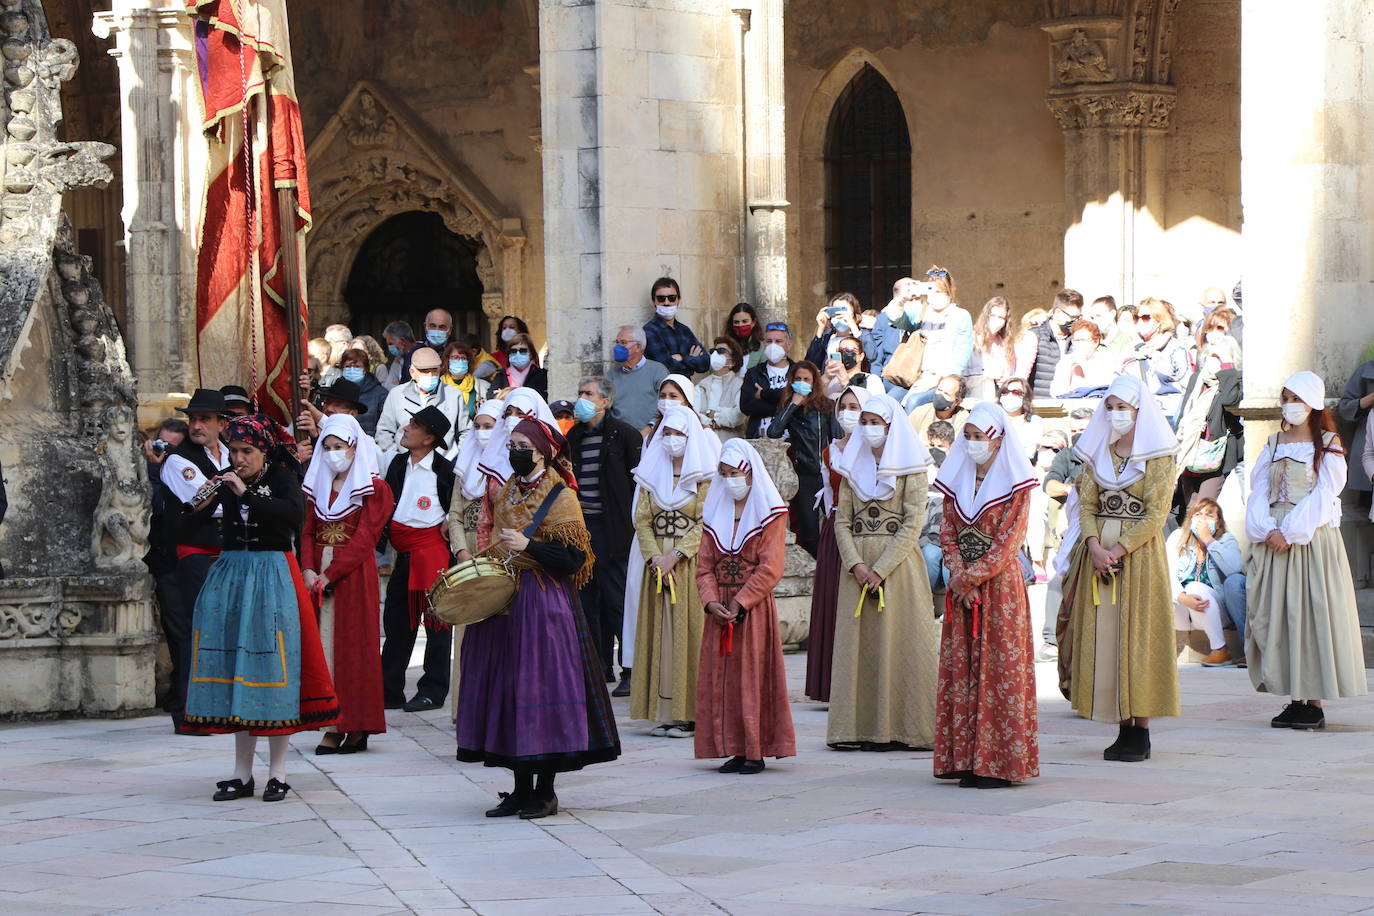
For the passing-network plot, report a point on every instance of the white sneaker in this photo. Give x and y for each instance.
(659, 731)
(680, 731)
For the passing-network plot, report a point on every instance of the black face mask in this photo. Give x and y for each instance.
(522, 460)
(1067, 326)
(848, 360)
(941, 402)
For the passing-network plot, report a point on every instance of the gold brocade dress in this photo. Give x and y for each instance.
(1117, 655)
(885, 665)
(670, 622)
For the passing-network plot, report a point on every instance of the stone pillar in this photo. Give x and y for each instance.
(641, 160)
(1115, 120)
(156, 66)
(765, 138)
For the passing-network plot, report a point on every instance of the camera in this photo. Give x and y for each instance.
(160, 448)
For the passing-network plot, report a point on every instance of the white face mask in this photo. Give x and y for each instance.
(664, 404)
(979, 450)
(718, 362)
(1295, 413)
(674, 445)
(874, 435)
(1214, 338)
(338, 460)
(507, 334)
(1012, 403)
(774, 353)
(666, 312)
(1122, 420)
(483, 435)
(736, 487)
(849, 419)
(512, 422)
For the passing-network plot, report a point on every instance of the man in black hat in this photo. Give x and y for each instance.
(421, 480)
(194, 531)
(341, 397)
(237, 403)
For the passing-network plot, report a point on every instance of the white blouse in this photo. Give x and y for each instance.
(1321, 507)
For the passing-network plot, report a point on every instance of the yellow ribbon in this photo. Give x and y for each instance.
(863, 593)
(1097, 601)
(672, 585)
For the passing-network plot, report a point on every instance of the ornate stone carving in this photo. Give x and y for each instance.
(1166, 39)
(38, 621)
(1140, 39)
(1083, 62)
(120, 538)
(1132, 108)
(370, 124)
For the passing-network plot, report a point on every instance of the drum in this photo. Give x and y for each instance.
(473, 591)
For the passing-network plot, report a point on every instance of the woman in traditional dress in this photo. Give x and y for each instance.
(533, 697)
(259, 668)
(882, 681)
(985, 723)
(347, 505)
(825, 588)
(673, 479)
(742, 710)
(1303, 639)
(1117, 655)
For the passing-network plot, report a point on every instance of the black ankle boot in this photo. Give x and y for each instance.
(1136, 747)
(1113, 751)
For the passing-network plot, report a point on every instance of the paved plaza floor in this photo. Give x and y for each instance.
(1230, 816)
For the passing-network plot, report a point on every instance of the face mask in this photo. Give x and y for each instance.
(848, 359)
(436, 336)
(664, 404)
(849, 420)
(353, 374)
(666, 312)
(1066, 326)
(512, 422)
(483, 435)
(1122, 420)
(1205, 526)
(674, 445)
(774, 353)
(937, 300)
(742, 330)
(979, 450)
(520, 360)
(801, 388)
(522, 460)
(584, 410)
(338, 460)
(1295, 413)
(1044, 457)
(1012, 403)
(718, 362)
(1214, 338)
(1104, 324)
(507, 334)
(736, 487)
(912, 309)
(874, 435)
(457, 367)
(841, 326)
(393, 349)
(427, 382)
(941, 402)
(620, 353)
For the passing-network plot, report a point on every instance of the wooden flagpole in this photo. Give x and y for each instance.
(291, 275)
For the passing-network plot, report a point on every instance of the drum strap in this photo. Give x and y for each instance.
(543, 510)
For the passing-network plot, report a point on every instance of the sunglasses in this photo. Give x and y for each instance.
(1140, 318)
(937, 272)
(665, 299)
(723, 351)
(777, 326)
(525, 350)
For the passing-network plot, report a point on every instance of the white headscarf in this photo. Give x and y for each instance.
(319, 477)
(1309, 388)
(827, 495)
(763, 504)
(903, 453)
(466, 462)
(1153, 436)
(1009, 473)
(684, 384)
(495, 459)
(655, 471)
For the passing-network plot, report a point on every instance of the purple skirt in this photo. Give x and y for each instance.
(825, 594)
(531, 693)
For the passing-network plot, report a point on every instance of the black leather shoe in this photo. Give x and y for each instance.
(394, 704)
(731, 766)
(622, 689)
(1113, 751)
(509, 806)
(353, 747)
(420, 704)
(276, 790)
(968, 782)
(750, 767)
(539, 807)
(1309, 717)
(323, 749)
(1136, 747)
(1285, 718)
(233, 789)
(957, 774)
(992, 782)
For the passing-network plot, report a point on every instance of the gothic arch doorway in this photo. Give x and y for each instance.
(868, 190)
(408, 265)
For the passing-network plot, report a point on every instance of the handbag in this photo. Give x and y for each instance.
(1206, 456)
(904, 368)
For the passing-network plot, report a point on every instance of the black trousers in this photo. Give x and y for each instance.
(175, 627)
(603, 598)
(177, 622)
(400, 641)
(805, 513)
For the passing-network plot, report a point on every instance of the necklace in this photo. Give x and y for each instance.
(522, 490)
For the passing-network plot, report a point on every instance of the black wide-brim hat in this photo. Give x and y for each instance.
(205, 400)
(344, 390)
(236, 394)
(432, 419)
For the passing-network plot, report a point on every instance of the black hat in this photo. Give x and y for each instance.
(558, 407)
(432, 419)
(205, 400)
(344, 390)
(235, 394)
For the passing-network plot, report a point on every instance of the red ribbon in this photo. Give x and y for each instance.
(727, 638)
(977, 610)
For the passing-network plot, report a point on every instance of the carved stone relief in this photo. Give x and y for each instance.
(1153, 110)
(1084, 62)
(369, 125)
(120, 538)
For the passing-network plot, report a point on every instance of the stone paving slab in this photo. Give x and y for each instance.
(1229, 815)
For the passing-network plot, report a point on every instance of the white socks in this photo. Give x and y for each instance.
(246, 745)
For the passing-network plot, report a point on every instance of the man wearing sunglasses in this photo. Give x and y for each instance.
(669, 341)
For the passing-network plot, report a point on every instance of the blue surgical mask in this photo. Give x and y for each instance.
(519, 360)
(428, 382)
(583, 410)
(802, 388)
(436, 336)
(840, 325)
(353, 374)
(457, 367)
(620, 353)
(393, 349)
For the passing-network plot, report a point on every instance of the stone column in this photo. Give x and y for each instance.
(640, 168)
(765, 137)
(1114, 123)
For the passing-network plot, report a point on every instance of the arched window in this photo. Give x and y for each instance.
(868, 191)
